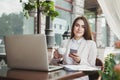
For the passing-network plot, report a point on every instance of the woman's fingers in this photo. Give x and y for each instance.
(57, 55)
(75, 57)
(75, 54)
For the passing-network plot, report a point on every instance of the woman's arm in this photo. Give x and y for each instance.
(75, 57)
(57, 56)
(92, 53)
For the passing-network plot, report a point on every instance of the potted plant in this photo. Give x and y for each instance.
(111, 69)
(45, 7)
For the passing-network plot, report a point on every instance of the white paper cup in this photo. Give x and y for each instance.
(61, 50)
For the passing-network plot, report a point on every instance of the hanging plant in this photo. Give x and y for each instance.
(45, 7)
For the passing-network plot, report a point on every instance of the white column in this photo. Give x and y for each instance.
(78, 8)
(99, 32)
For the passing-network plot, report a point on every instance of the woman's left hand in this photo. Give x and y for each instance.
(75, 57)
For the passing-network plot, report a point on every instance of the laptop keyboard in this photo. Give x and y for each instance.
(57, 67)
(50, 67)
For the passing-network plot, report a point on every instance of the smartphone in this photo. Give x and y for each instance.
(73, 51)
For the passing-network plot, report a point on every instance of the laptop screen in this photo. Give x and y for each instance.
(27, 51)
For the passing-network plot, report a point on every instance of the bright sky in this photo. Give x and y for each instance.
(10, 6)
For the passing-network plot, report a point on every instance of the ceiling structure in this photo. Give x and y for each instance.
(91, 5)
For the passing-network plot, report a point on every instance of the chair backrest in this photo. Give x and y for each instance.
(96, 75)
(98, 62)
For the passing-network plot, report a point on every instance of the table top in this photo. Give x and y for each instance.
(8, 74)
(17, 74)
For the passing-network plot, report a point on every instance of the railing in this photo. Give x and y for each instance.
(2, 55)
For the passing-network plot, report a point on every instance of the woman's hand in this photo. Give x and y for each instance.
(57, 55)
(75, 57)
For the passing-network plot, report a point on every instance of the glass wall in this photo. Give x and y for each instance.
(103, 36)
(12, 20)
(63, 21)
(66, 15)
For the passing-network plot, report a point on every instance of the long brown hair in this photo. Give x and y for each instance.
(87, 34)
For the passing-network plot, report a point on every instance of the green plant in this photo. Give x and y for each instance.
(45, 7)
(109, 73)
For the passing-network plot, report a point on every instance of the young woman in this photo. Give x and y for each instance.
(80, 49)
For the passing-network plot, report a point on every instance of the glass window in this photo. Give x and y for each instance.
(12, 20)
(60, 27)
(54, 26)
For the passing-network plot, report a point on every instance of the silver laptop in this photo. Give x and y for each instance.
(28, 52)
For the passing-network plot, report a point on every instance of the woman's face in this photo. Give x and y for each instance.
(79, 29)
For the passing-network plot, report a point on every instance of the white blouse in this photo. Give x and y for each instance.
(86, 49)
